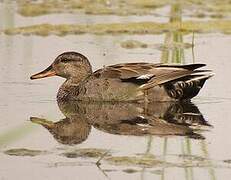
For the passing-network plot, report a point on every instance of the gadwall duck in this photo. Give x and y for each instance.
(137, 82)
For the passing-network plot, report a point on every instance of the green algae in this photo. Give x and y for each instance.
(131, 44)
(130, 171)
(152, 162)
(24, 152)
(148, 3)
(124, 8)
(218, 6)
(133, 161)
(86, 153)
(120, 7)
(174, 45)
(227, 161)
(30, 9)
(100, 7)
(215, 6)
(173, 42)
(223, 26)
(34, 10)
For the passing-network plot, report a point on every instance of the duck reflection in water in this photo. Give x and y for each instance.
(160, 119)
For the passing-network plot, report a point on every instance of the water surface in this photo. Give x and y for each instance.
(30, 151)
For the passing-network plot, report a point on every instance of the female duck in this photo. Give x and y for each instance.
(137, 82)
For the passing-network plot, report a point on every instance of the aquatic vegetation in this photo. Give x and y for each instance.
(47, 7)
(181, 161)
(174, 45)
(130, 171)
(223, 26)
(227, 161)
(143, 161)
(100, 7)
(130, 44)
(213, 9)
(24, 152)
(86, 153)
(148, 3)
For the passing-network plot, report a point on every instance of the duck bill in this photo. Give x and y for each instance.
(43, 122)
(45, 73)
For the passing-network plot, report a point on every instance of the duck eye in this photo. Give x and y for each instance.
(65, 60)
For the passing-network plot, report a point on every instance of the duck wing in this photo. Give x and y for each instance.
(125, 70)
(148, 75)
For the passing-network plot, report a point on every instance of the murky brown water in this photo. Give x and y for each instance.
(70, 149)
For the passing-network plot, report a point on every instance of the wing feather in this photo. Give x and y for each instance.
(155, 74)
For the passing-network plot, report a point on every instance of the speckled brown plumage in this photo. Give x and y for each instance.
(125, 82)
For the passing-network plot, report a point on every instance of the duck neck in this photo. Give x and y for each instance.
(73, 82)
(70, 88)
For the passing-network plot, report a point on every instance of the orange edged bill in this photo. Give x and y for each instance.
(45, 73)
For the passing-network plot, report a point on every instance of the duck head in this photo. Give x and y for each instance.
(69, 65)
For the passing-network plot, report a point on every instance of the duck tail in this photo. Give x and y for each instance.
(189, 86)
